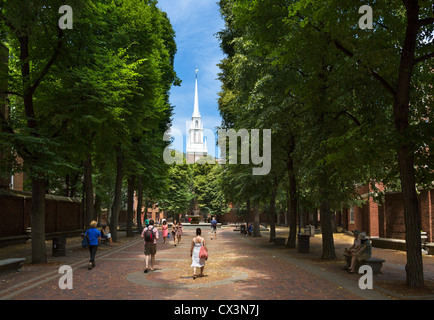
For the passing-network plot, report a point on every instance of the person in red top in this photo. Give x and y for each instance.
(151, 238)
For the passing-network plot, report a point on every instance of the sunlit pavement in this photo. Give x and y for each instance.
(239, 267)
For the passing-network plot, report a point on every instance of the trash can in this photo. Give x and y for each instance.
(59, 247)
(303, 243)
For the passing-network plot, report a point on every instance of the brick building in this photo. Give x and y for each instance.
(386, 219)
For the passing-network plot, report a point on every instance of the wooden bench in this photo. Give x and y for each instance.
(11, 264)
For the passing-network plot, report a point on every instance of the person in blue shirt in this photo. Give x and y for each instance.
(214, 227)
(94, 238)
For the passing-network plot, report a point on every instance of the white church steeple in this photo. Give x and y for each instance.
(196, 112)
(196, 148)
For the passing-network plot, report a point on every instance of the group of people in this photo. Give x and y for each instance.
(249, 229)
(176, 231)
(150, 235)
(359, 251)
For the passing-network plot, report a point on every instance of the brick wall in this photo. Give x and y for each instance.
(427, 212)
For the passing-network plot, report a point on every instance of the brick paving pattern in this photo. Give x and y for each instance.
(241, 268)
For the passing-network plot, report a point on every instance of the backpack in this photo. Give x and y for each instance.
(85, 241)
(149, 235)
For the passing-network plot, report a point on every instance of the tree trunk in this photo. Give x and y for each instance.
(97, 208)
(256, 223)
(88, 189)
(273, 211)
(117, 201)
(288, 205)
(39, 250)
(292, 196)
(414, 267)
(4, 111)
(328, 246)
(130, 206)
(139, 203)
(273, 214)
(250, 218)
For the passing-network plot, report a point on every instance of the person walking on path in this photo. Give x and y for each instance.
(165, 231)
(174, 232)
(180, 232)
(197, 262)
(94, 236)
(150, 234)
(214, 228)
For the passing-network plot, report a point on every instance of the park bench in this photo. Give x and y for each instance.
(375, 263)
(11, 264)
(105, 241)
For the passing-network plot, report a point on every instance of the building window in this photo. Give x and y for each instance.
(352, 214)
(197, 124)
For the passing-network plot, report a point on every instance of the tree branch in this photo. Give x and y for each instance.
(423, 58)
(345, 112)
(51, 62)
(9, 24)
(348, 53)
(5, 126)
(383, 81)
(12, 92)
(425, 22)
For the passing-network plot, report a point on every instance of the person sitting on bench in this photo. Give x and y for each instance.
(363, 253)
(249, 230)
(105, 234)
(353, 248)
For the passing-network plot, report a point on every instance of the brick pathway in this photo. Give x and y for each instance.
(241, 268)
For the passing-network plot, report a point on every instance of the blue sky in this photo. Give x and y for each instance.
(195, 23)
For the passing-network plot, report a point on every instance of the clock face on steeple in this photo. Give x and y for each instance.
(196, 148)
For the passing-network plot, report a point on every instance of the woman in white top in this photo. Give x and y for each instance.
(196, 262)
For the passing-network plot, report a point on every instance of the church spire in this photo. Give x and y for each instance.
(196, 99)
